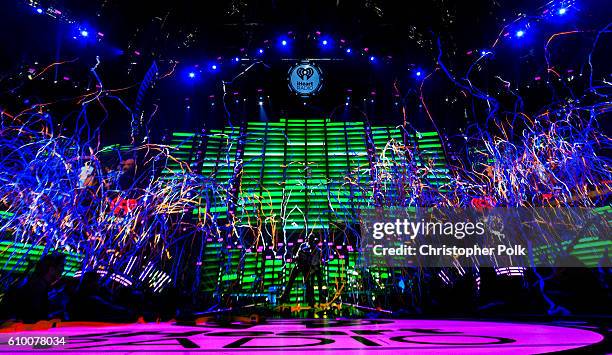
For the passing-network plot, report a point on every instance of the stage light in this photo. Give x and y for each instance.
(39, 10)
(520, 33)
(236, 59)
(324, 42)
(260, 103)
(84, 33)
(418, 73)
(192, 75)
(213, 67)
(348, 50)
(284, 42)
(562, 11)
(372, 58)
(260, 51)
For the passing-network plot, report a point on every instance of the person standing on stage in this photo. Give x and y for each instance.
(307, 264)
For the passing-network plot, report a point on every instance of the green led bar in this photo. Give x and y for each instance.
(19, 257)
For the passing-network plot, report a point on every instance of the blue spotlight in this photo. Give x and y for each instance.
(192, 75)
(213, 67)
(284, 42)
(348, 50)
(84, 33)
(520, 33)
(562, 11)
(236, 59)
(418, 73)
(260, 51)
(324, 42)
(39, 10)
(372, 59)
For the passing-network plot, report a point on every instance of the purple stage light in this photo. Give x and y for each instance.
(400, 336)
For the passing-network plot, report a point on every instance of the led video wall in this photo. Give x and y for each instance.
(280, 182)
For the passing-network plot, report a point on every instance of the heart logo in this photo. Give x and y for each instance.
(305, 73)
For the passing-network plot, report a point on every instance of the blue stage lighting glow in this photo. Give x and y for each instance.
(372, 58)
(213, 67)
(260, 51)
(192, 75)
(284, 42)
(324, 42)
(348, 50)
(39, 10)
(562, 11)
(236, 59)
(520, 33)
(84, 33)
(418, 73)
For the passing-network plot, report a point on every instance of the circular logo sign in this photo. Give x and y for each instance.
(305, 79)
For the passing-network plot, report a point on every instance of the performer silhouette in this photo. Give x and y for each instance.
(307, 264)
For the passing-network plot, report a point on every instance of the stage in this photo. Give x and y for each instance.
(297, 336)
(335, 177)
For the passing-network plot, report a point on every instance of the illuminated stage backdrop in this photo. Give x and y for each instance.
(255, 191)
(293, 178)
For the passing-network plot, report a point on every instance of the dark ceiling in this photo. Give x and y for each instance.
(192, 34)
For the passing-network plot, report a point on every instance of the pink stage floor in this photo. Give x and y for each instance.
(295, 336)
